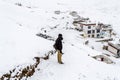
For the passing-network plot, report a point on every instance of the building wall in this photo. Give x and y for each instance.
(86, 29)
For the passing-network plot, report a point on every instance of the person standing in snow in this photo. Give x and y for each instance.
(58, 46)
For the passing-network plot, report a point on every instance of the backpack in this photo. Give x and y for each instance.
(55, 46)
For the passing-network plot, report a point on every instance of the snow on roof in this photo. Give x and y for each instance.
(115, 44)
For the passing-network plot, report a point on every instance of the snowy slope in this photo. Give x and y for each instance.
(98, 10)
(19, 43)
(78, 65)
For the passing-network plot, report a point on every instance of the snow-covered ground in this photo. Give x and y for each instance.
(19, 43)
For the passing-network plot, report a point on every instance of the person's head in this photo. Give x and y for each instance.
(60, 36)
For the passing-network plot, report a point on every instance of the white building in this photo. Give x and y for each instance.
(91, 30)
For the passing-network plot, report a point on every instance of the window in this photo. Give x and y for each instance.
(93, 31)
(93, 36)
(89, 27)
(98, 30)
(88, 35)
(98, 35)
(89, 32)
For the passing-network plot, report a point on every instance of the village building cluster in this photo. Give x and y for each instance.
(92, 29)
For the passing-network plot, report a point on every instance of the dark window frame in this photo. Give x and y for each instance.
(98, 35)
(89, 31)
(93, 35)
(88, 35)
(89, 27)
(98, 30)
(93, 31)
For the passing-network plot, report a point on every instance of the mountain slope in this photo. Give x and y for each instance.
(19, 43)
(77, 65)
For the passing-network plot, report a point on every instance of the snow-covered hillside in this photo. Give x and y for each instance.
(21, 20)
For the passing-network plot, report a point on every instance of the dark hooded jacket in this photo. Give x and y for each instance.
(58, 43)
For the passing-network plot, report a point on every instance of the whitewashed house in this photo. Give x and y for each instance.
(114, 48)
(91, 30)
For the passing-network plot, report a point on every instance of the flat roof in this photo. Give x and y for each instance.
(115, 45)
